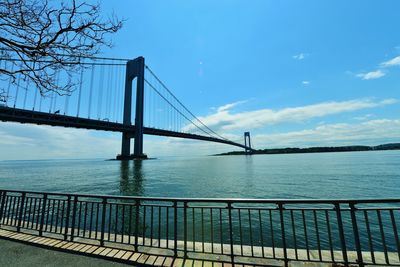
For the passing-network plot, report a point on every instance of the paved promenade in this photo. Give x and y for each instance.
(24, 249)
(14, 253)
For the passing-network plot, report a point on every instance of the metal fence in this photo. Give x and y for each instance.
(340, 231)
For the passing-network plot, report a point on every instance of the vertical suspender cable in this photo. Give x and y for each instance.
(114, 91)
(34, 99)
(56, 94)
(100, 98)
(80, 93)
(106, 93)
(91, 90)
(26, 93)
(109, 101)
(16, 95)
(9, 84)
(40, 101)
(118, 92)
(112, 95)
(51, 101)
(66, 104)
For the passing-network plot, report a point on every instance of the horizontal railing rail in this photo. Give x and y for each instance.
(338, 231)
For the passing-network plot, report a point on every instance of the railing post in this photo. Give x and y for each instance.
(137, 214)
(103, 220)
(185, 228)
(356, 234)
(73, 218)
(43, 214)
(231, 232)
(341, 233)
(21, 208)
(3, 200)
(67, 218)
(175, 228)
(281, 208)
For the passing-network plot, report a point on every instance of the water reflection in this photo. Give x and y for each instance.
(132, 178)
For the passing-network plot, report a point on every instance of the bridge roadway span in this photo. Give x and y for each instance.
(44, 118)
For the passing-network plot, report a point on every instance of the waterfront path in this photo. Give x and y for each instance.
(14, 253)
(25, 249)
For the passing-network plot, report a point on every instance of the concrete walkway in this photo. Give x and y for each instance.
(17, 254)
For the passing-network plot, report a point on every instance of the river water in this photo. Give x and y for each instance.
(372, 174)
(350, 175)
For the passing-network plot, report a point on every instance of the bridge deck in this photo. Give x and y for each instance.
(44, 118)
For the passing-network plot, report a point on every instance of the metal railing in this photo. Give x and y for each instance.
(339, 231)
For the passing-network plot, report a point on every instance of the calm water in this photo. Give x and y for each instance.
(323, 175)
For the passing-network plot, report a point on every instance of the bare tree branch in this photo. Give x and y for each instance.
(43, 38)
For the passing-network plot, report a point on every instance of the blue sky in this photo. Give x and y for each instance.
(293, 73)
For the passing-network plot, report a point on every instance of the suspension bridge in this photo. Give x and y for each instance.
(103, 100)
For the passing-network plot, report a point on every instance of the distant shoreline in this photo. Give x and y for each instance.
(296, 150)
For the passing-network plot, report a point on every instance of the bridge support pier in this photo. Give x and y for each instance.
(247, 143)
(134, 69)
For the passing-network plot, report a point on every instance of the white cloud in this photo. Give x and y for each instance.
(364, 117)
(305, 82)
(371, 75)
(392, 62)
(25, 141)
(370, 132)
(300, 56)
(231, 105)
(226, 120)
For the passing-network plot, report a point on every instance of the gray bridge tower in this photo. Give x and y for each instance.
(134, 69)
(247, 142)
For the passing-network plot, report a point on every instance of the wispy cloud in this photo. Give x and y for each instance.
(364, 117)
(225, 119)
(370, 132)
(231, 105)
(305, 82)
(392, 62)
(45, 142)
(300, 56)
(371, 75)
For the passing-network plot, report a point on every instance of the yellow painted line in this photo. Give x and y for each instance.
(159, 261)
(143, 258)
(74, 245)
(127, 255)
(178, 263)
(66, 245)
(10, 234)
(84, 248)
(120, 254)
(44, 240)
(135, 256)
(92, 249)
(29, 238)
(112, 253)
(168, 261)
(151, 260)
(105, 252)
(77, 248)
(35, 239)
(18, 236)
(59, 245)
(99, 250)
(48, 242)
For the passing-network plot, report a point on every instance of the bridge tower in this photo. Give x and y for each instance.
(134, 69)
(247, 142)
